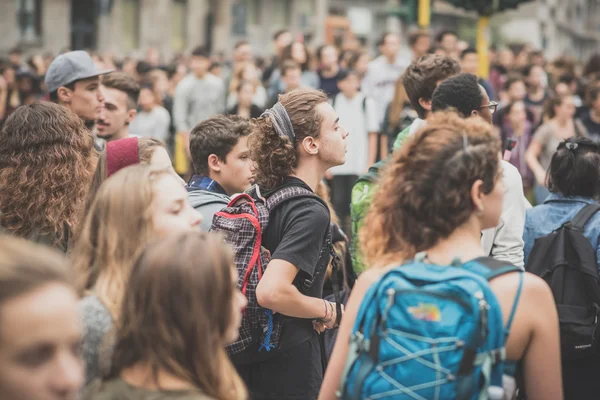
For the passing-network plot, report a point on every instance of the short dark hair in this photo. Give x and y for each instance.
(124, 83)
(414, 36)
(288, 65)
(440, 36)
(216, 135)
(567, 78)
(54, 95)
(345, 73)
(240, 43)
(279, 33)
(575, 172)
(421, 77)
(466, 52)
(201, 51)
(16, 50)
(460, 92)
(512, 79)
(143, 67)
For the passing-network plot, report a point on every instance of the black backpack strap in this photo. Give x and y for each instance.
(584, 215)
(288, 192)
(496, 267)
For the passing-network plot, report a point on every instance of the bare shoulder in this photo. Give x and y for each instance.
(535, 290)
(367, 278)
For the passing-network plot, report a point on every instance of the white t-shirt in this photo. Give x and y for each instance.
(153, 124)
(379, 82)
(358, 122)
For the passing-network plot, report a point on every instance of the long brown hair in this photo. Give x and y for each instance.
(114, 232)
(146, 148)
(275, 156)
(25, 266)
(46, 164)
(177, 312)
(397, 104)
(424, 193)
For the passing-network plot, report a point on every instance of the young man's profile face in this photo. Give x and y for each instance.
(86, 99)
(332, 137)
(117, 114)
(237, 171)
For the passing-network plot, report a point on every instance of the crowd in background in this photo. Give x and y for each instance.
(536, 97)
(120, 162)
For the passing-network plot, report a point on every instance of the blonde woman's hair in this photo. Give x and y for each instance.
(25, 266)
(114, 232)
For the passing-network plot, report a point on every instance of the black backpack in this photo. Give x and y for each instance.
(566, 260)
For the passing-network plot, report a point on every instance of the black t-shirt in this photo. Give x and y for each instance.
(296, 233)
(329, 85)
(592, 127)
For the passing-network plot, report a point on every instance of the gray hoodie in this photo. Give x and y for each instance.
(207, 203)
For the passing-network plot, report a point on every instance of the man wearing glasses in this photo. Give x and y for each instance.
(463, 94)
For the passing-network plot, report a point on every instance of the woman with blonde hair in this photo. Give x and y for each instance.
(441, 189)
(40, 329)
(47, 161)
(136, 205)
(179, 311)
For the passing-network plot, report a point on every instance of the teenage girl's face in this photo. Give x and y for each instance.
(493, 201)
(40, 335)
(332, 139)
(171, 211)
(566, 110)
(517, 113)
(238, 305)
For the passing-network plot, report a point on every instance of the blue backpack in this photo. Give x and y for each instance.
(425, 331)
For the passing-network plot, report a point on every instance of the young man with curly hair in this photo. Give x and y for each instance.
(221, 162)
(294, 144)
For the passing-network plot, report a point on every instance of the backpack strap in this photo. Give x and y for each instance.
(514, 307)
(584, 215)
(497, 268)
(364, 105)
(288, 192)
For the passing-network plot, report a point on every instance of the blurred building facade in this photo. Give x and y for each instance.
(122, 26)
(558, 27)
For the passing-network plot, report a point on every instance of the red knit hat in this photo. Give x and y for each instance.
(120, 154)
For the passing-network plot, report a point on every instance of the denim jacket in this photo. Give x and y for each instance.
(556, 210)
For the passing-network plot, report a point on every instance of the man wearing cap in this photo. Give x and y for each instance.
(74, 82)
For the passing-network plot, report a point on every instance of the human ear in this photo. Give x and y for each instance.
(214, 163)
(131, 115)
(477, 196)
(64, 94)
(310, 145)
(426, 104)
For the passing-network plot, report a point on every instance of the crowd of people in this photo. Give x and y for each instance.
(214, 228)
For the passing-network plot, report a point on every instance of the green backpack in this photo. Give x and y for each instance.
(362, 196)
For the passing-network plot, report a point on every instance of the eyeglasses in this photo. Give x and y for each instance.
(492, 106)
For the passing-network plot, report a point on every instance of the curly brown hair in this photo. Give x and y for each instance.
(425, 191)
(275, 156)
(47, 160)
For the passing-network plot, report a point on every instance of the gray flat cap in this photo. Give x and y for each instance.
(70, 67)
